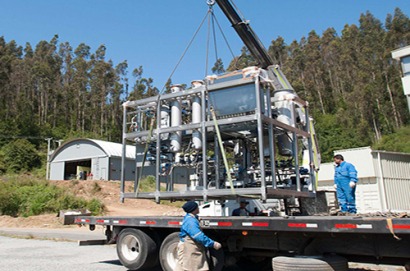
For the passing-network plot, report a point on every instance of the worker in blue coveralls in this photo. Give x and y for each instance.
(345, 184)
(193, 242)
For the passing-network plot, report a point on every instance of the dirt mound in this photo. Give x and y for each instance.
(108, 192)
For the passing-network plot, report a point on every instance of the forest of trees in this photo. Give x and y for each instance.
(350, 80)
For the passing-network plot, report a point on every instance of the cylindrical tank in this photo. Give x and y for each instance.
(196, 116)
(283, 103)
(164, 121)
(176, 120)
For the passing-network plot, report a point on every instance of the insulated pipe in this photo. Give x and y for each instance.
(196, 116)
(284, 104)
(176, 120)
(204, 157)
(164, 121)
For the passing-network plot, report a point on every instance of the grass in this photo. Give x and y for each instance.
(27, 196)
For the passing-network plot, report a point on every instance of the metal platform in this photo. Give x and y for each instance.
(218, 194)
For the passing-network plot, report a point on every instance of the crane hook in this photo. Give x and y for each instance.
(210, 2)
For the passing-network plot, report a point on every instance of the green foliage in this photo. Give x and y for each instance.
(27, 197)
(20, 155)
(336, 134)
(218, 67)
(9, 200)
(397, 142)
(95, 206)
(147, 184)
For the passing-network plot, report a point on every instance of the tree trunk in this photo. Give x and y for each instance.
(396, 114)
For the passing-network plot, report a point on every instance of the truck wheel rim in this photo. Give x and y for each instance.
(172, 255)
(130, 247)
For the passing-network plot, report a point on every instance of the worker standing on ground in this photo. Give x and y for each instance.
(193, 242)
(345, 184)
(241, 211)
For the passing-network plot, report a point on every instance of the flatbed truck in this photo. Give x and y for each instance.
(144, 242)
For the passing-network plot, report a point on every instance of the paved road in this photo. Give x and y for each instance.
(39, 255)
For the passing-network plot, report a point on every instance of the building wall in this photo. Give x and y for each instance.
(368, 195)
(115, 169)
(99, 168)
(57, 171)
(393, 174)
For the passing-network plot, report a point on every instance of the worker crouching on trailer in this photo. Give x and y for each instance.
(193, 242)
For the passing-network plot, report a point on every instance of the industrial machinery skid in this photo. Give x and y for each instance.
(233, 135)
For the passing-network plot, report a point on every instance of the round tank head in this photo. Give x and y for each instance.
(176, 88)
(197, 83)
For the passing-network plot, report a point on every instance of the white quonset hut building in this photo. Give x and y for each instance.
(92, 159)
(384, 179)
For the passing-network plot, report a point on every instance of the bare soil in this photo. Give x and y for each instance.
(108, 192)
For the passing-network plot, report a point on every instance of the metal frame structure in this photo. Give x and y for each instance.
(260, 123)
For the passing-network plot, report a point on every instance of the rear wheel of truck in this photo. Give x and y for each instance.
(136, 249)
(331, 263)
(168, 253)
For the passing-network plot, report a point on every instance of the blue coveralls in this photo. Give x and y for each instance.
(344, 174)
(190, 227)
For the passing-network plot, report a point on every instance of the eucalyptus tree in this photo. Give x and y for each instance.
(102, 80)
(68, 100)
(81, 85)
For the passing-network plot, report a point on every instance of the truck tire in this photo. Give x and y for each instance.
(136, 249)
(168, 254)
(333, 263)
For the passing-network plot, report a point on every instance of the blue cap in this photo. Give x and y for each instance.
(190, 206)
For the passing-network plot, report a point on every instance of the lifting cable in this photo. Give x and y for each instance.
(185, 51)
(211, 19)
(224, 37)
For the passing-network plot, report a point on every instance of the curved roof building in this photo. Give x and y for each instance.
(91, 159)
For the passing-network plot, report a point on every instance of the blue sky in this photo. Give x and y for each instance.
(155, 33)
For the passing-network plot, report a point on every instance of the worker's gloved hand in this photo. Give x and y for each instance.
(217, 245)
(352, 184)
(335, 186)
